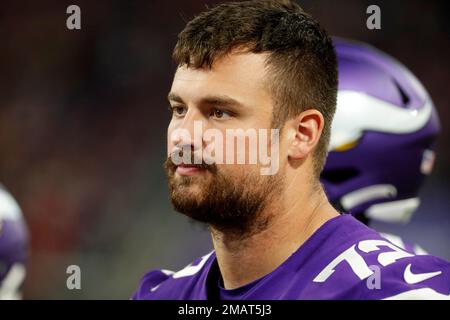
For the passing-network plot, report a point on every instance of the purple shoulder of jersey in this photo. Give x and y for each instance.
(343, 259)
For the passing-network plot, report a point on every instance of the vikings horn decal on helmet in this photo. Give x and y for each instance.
(382, 136)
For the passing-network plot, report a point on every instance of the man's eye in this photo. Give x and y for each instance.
(179, 111)
(220, 114)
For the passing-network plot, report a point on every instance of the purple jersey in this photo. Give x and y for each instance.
(343, 259)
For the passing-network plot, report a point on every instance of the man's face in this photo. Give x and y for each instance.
(232, 95)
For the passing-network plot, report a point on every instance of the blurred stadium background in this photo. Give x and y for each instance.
(83, 118)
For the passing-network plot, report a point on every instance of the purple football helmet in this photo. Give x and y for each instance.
(382, 136)
(13, 247)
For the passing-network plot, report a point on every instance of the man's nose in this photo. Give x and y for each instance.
(190, 131)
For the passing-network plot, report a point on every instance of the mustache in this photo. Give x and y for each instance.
(170, 166)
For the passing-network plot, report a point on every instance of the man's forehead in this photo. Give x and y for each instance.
(238, 75)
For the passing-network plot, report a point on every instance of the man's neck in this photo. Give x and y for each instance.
(243, 260)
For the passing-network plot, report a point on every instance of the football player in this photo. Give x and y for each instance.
(379, 155)
(253, 66)
(13, 247)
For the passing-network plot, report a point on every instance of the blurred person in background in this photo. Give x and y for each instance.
(382, 139)
(13, 247)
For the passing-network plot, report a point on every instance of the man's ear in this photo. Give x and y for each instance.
(306, 130)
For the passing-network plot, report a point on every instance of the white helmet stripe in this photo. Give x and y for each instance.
(369, 193)
(9, 209)
(398, 211)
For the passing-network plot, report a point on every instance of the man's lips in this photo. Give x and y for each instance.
(188, 169)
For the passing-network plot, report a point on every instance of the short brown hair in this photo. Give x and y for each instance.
(301, 58)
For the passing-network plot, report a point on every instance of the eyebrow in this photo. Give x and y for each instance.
(223, 100)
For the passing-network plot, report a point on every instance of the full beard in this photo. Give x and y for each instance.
(233, 206)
